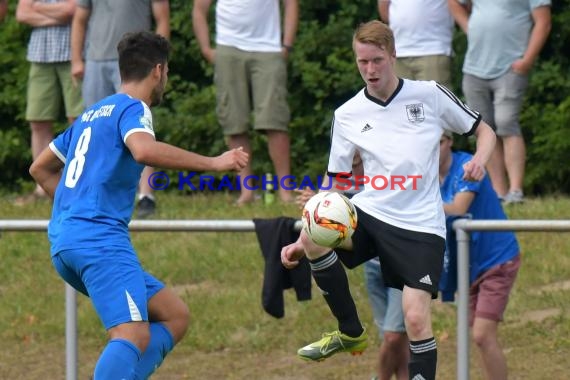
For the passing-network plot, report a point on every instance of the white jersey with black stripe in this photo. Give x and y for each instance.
(398, 141)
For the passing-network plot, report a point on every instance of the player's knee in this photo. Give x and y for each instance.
(179, 322)
(143, 338)
(137, 333)
(312, 250)
(482, 338)
(416, 323)
(394, 339)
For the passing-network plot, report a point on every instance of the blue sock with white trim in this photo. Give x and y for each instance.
(117, 361)
(161, 343)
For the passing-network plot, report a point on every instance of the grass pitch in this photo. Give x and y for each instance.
(230, 337)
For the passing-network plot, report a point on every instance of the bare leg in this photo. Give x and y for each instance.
(279, 151)
(235, 141)
(416, 305)
(169, 309)
(492, 357)
(168, 316)
(417, 313)
(144, 187)
(42, 135)
(497, 170)
(515, 157)
(394, 356)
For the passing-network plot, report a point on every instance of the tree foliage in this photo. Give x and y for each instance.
(322, 75)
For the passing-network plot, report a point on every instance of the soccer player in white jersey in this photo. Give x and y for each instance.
(395, 125)
(92, 170)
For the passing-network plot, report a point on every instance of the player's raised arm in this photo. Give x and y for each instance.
(146, 150)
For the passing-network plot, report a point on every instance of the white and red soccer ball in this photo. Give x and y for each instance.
(329, 219)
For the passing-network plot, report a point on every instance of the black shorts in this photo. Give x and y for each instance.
(407, 257)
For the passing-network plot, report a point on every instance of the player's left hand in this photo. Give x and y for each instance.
(473, 171)
(291, 254)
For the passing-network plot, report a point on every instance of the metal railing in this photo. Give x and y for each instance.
(71, 361)
(462, 227)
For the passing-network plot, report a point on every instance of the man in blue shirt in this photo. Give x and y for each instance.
(92, 171)
(494, 256)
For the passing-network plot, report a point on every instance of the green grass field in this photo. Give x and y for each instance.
(230, 336)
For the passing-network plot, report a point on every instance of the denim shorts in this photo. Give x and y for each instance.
(100, 80)
(386, 302)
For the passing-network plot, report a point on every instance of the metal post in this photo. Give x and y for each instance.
(71, 361)
(462, 304)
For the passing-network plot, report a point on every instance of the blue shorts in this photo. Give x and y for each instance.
(386, 302)
(113, 278)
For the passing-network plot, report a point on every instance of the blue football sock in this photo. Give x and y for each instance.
(161, 343)
(117, 361)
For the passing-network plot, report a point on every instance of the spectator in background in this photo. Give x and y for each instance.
(504, 39)
(49, 81)
(3, 9)
(494, 256)
(250, 74)
(423, 32)
(97, 28)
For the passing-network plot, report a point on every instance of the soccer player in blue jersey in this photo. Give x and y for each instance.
(494, 256)
(92, 171)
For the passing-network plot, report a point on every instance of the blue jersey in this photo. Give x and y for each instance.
(487, 249)
(95, 198)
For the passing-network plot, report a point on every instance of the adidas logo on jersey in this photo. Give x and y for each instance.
(367, 127)
(426, 280)
(418, 377)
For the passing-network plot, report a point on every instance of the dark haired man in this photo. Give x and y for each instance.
(92, 170)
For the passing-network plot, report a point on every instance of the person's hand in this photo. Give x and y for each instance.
(521, 67)
(473, 171)
(235, 159)
(210, 55)
(77, 71)
(303, 196)
(291, 254)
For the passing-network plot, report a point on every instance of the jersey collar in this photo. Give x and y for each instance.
(380, 102)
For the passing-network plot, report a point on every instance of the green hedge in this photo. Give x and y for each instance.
(322, 75)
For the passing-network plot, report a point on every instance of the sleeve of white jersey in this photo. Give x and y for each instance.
(456, 116)
(342, 150)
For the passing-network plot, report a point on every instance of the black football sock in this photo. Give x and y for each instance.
(423, 359)
(331, 279)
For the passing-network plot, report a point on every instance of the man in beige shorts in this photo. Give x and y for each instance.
(423, 31)
(49, 80)
(250, 71)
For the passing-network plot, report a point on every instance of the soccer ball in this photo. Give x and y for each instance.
(329, 219)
